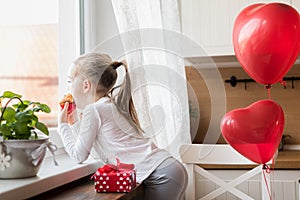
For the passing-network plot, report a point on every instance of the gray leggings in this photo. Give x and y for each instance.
(167, 182)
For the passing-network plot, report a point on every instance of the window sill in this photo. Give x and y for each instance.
(49, 177)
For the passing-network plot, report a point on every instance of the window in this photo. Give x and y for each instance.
(12, 15)
(29, 51)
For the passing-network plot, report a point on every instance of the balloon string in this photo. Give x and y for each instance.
(268, 87)
(272, 174)
(266, 169)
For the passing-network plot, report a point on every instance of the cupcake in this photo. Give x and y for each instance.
(68, 98)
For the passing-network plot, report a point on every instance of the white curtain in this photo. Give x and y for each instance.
(150, 40)
(149, 31)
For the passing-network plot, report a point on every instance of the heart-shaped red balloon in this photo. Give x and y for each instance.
(266, 40)
(255, 131)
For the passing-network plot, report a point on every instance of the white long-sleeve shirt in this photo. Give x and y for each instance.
(107, 133)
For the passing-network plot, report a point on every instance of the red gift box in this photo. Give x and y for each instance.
(115, 178)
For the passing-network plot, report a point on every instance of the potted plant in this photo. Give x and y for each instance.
(23, 138)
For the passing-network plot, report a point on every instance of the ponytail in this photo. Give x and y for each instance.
(95, 65)
(123, 99)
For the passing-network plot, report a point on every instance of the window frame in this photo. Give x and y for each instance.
(68, 39)
(70, 46)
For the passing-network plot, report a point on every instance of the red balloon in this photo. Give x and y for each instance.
(266, 40)
(255, 131)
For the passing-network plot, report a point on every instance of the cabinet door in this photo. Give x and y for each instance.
(209, 23)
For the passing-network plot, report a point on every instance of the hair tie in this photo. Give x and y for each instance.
(116, 64)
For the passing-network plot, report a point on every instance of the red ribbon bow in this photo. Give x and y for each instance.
(110, 168)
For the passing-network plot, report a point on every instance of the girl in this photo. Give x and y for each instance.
(109, 128)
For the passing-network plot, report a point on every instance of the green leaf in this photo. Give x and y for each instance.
(9, 94)
(5, 131)
(24, 117)
(34, 119)
(20, 106)
(41, 107)
(42, 127)
(19, 120)
(9, 114)
(22, 130)
(45, 108)
(27, 102)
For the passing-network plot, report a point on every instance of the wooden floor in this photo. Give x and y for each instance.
(83, 189)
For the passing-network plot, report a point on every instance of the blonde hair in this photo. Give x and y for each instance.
(102, 71)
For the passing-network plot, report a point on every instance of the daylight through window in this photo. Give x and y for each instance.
(29, 45)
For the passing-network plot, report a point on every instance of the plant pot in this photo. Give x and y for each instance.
(23, 157)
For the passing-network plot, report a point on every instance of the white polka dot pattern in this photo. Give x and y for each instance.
(115, 181)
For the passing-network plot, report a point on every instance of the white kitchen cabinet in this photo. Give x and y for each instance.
(296, 4)
(209, 23)
(284, 184)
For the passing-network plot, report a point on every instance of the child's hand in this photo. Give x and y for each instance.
(63, 115)
(66, 116)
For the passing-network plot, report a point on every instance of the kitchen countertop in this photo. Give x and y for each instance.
(286, 160)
